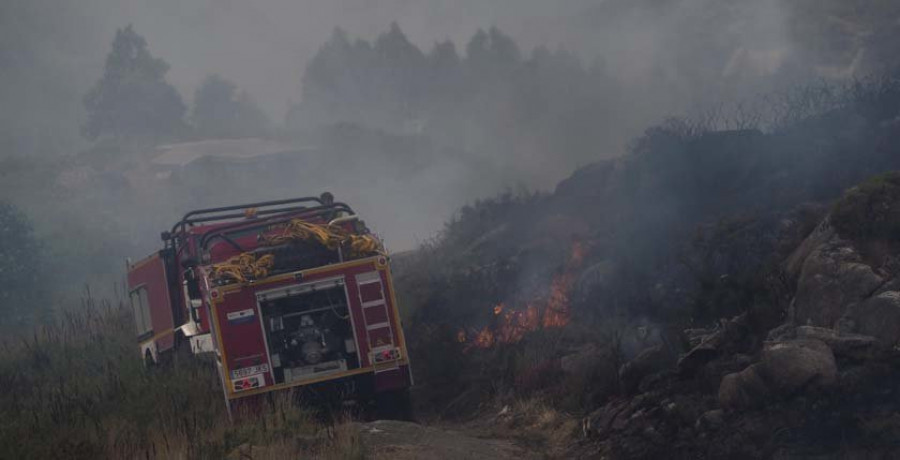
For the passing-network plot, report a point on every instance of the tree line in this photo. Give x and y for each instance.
(491, 97)
(133, 101)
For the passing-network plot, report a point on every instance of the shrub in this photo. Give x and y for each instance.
(21, 293)
(870, 210)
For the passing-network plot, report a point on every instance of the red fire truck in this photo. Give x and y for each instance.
(284, 294)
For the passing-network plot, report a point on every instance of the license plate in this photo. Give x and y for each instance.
(247, 371)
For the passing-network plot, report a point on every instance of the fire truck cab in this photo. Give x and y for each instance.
(283, 294)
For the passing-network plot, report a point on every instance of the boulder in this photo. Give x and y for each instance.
(832, 278)
(711, 420)
(841, 343)
(711, 344)
(610, 416)
(821, 235)
(786, 368)
(786, 331)
(743, 390)
(648, 362)
(790, 366)
(878, 317)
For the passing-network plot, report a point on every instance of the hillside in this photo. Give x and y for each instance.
(712, 294)
(664, 297)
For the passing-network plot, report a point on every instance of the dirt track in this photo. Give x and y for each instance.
(387, 439)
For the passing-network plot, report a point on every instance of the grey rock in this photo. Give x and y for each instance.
(710, 345)
(878, 317)
(711, 420)
(832, 278)
(792, 365)
(648, 362)
(786, 368)
(842, 344)
(821, 235)
(743, 390)
(786, 331)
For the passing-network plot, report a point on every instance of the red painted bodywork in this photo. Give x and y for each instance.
(244, 344)
(240, 342)
(150, 273)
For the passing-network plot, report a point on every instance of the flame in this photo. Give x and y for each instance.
(484, 338)
(516, 323)
(510, 325)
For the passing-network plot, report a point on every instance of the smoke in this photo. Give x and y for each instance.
(658, 58)
(264, 45)
(678, 50)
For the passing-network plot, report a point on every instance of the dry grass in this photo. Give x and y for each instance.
(537, 423)
(77, 389)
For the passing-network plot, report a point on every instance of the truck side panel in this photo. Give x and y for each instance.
(147, 280)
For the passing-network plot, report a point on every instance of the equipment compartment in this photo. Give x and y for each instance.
(308, 331)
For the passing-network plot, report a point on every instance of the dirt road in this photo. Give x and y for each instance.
(388, 439)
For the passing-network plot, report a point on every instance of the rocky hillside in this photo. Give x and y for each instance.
(823, 384)
(713, 294)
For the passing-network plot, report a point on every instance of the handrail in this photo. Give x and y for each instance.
(341, 220)
(185, 220)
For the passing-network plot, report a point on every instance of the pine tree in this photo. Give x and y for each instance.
(132, 100)
(221, 111)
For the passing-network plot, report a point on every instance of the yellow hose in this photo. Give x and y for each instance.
(243, 267)
(332, 237)
(247, 266)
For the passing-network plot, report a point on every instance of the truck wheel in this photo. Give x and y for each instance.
(149, 362)
(394, 405)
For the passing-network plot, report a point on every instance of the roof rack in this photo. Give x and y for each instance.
(224, 231)
(262, 208)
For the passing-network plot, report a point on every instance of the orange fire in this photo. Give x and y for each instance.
(510, 325)
(484, 339)
(461, 336)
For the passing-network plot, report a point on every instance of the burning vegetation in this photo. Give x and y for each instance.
(511, 324)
